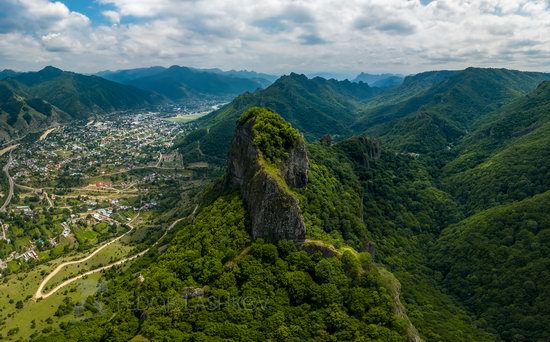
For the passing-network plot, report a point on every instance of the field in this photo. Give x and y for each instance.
(19, 313)
(186, 117)
(109, 254)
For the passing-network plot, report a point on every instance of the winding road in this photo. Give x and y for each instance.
(6, 170)
(40, 295)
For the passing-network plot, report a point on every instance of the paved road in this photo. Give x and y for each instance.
(39, 294)
(6, 170)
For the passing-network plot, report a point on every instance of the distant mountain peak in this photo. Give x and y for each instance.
(383, 81)
(49, 72)
(51, 69)
(297, 76)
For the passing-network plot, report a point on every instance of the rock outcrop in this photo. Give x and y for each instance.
(265, 186)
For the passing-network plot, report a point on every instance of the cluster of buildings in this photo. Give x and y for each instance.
(100, 149)
(115, 142)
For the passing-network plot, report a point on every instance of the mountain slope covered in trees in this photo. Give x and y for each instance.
(496, 262)
(182, 83)
(428, 113)
(128, 75)
(20, 114)
(220, 283)
(34, 100)
(455, 168)
(440, 116)
(506, 158)
(7, 73)
(79, 95)
(432, 225)
(315, 106)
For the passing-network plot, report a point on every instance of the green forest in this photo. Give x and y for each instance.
(426, 216)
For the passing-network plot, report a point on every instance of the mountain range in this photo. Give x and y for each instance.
(383, 81)
(418, 212)
(7, 73)
(315, 106)
(182, 83)
(453, 176)
(34, 100)
(429, 112)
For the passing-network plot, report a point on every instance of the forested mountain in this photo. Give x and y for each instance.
(7, 73)
(388, 83)
(383, 81)
(262, 78)
(439, 116)
(457, 220)
(79, 95)
(20, 114)
(126, 76)
(35, 100)
(432, 224)
(180, 83)
(412, 86)
(314, 106)
(288, 287)
(429, 112)
(496, 262)
(506, 158)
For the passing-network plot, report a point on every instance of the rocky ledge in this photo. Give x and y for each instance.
(267, 159)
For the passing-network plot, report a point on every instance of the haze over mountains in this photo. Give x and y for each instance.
(181, 83)
(383, 81)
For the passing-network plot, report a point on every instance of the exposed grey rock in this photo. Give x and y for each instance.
(274, 211)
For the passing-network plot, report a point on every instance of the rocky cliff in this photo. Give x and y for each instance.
(267, 159)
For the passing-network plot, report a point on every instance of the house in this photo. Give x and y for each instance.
(66, 229)
(103, 184)
(97, 217)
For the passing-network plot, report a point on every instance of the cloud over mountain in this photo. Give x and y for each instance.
(276, 35)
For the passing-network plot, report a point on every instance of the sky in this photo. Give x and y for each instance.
(276, 36)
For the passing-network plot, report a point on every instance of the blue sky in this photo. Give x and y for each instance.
(91, 9)
(277, 36)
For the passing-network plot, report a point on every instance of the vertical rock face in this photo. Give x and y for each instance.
(274, 211)
(294, 169)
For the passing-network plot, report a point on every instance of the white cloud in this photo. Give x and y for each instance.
(113, 16)
(287, 35)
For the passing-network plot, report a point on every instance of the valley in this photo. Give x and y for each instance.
(81, 199)
(343, 198)
(249, 171)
